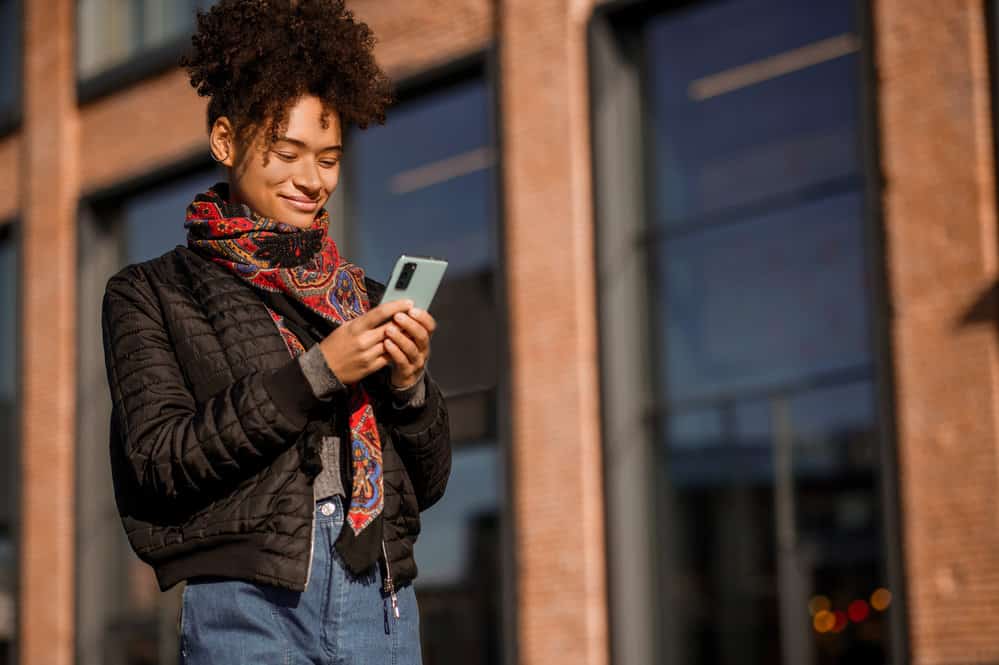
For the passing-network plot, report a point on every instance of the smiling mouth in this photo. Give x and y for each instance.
(302, 206)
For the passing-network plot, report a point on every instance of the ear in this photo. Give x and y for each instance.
(222, 141)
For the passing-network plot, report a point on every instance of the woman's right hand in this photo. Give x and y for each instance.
(357, 348)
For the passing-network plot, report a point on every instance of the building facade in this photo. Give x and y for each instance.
(718, 338)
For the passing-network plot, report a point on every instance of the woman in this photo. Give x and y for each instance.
(275, 432)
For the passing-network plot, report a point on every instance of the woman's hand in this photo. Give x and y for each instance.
(357, 348)
(407, 344)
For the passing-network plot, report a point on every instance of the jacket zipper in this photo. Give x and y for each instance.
(312, 548)
(388, 586)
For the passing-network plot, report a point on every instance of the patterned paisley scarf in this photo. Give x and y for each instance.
(304, 265)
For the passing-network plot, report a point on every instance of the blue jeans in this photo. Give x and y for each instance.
(338, 619)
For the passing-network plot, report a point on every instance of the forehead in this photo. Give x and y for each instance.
(305, 120)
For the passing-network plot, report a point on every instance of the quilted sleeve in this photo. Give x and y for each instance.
(178, 449)
(422, 436)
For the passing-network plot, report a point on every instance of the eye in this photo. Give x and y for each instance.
(286, 156)
(329, 163)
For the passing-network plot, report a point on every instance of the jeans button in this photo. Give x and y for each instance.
(327, 508)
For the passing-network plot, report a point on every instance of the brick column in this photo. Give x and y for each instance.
(549, 266)
(48, 198)
(941, 241)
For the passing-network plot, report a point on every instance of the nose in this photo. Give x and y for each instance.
(307, 179)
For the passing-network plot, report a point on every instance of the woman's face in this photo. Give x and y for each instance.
(303, 169)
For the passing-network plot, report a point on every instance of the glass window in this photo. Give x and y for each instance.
(768, 441)
(112, 32)
(153, 223)
(8, 441)
(10, 46)
(424, 184)
(129, 621)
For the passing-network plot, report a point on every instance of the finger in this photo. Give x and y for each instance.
(377, 316)
(368, 355)
(425, 318)
(400, 339)
(413, 328)
(399, 358)
(372, 337)
(379, 362)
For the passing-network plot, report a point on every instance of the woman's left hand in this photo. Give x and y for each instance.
(407, 342)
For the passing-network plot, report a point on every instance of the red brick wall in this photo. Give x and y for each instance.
(940, 226)
(48, 195)
(558, 502)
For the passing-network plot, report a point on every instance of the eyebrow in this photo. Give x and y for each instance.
(301, 144)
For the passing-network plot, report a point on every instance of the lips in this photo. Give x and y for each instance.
(301, 204)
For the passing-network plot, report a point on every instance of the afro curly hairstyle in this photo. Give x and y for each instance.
(254, 58)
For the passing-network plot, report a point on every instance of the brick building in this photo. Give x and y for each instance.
(718, 339)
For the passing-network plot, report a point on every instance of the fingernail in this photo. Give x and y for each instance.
(410, 303)
(400, 316)
(415, 310)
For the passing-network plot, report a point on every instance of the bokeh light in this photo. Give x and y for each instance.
(824, 621)
(881, 599)
(858, 611)
(841, 621)
(818, 604)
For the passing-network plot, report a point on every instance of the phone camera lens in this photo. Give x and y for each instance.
(405, 276)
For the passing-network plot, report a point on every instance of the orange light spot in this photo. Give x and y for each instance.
(824, 621)
(818, 604)
(881, 599)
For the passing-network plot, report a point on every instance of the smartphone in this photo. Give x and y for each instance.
(415, 278)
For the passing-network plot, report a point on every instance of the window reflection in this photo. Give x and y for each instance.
(423, 184)
(10, 39)
(768, 428)
(786, 129)
(112, 32)
(8, 442)
(154, 221)
(772, 299)
(137, 623)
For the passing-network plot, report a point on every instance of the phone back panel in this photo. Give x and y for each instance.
(423, 284)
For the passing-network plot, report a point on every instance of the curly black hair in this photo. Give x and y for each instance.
(254, 58)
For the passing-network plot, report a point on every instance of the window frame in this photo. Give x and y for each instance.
(615, 65)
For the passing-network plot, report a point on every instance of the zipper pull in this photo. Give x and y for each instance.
(388, 586)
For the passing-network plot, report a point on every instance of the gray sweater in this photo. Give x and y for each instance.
(324, 384)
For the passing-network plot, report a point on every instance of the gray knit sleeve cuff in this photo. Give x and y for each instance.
(322, 379)
(413, 396)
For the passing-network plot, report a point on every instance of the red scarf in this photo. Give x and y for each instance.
(306, 265)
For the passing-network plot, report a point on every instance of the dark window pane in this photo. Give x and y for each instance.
(8, 443)
(773, 299)
(769, 429)
(766, 95)
(423, 184)
(154, 221)
(10, 45)
(136, 622)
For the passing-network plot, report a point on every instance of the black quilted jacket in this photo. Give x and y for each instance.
(210, 431)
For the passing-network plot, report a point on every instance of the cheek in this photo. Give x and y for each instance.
(275, 174)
